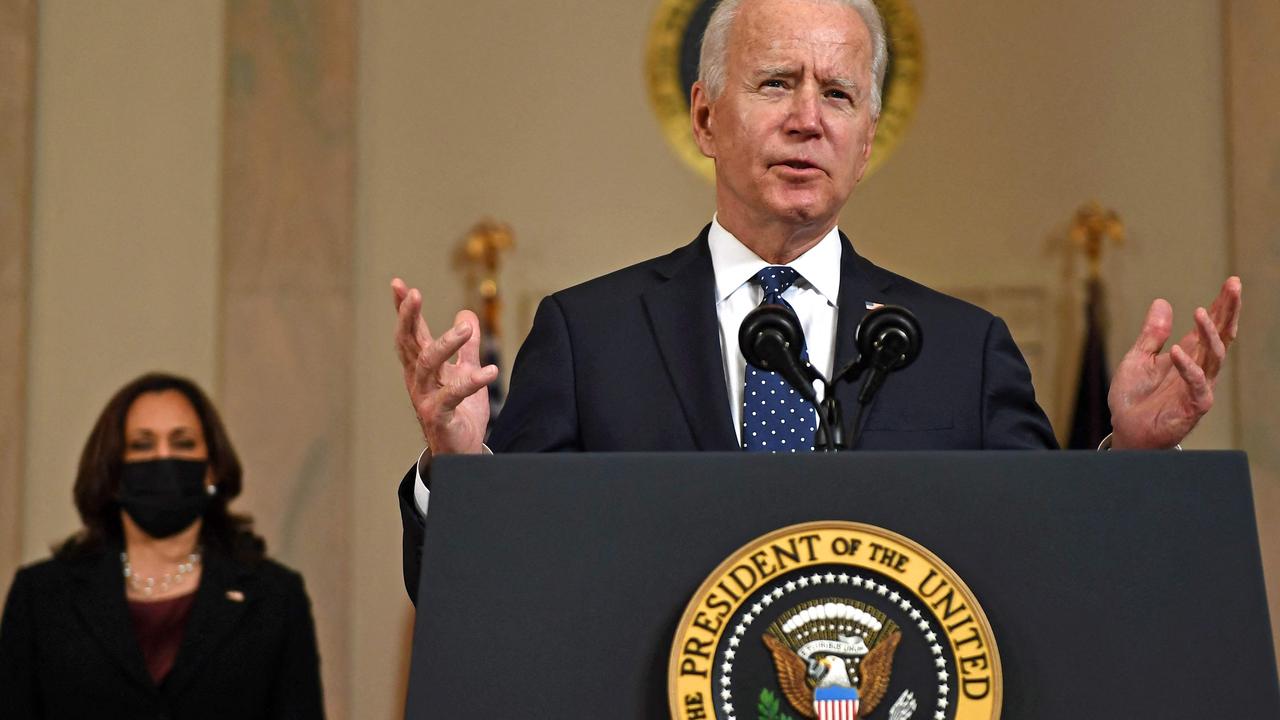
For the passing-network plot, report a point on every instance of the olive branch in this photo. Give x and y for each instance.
(770, 707)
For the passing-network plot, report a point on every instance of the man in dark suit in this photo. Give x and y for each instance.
(646, 358)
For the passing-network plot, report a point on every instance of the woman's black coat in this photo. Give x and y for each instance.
(68, 650)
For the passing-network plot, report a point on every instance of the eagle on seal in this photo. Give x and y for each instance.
(831, 677)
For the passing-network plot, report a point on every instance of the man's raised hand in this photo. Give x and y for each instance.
(1157, 397)
(450, 398)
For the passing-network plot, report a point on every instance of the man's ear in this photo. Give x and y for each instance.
(700, 118)
(868, 143)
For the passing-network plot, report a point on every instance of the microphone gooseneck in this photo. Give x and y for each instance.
(772, 339)
(888, 339)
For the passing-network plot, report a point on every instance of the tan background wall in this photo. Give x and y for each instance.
(1253, 108)
(535, 113)
(125, 240)
(17, 129)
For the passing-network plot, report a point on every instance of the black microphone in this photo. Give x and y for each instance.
(771, 339)
(888, 339)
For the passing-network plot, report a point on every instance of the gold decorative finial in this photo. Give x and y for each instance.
(1092, 227)
(481, 252)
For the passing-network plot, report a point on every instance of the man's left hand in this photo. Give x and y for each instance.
(1157, 397)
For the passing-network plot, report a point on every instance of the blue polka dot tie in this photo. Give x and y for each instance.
(775, 418)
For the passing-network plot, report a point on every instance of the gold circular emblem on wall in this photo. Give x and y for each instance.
(671, 66)
(834, 619)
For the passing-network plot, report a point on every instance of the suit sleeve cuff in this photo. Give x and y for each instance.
(421, 493)
(1105, 445)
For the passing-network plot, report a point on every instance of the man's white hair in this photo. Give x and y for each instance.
(715, 46)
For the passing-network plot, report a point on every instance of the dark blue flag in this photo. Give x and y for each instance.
(1091, 419)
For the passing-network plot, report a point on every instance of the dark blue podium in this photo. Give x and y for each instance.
(1118, 585)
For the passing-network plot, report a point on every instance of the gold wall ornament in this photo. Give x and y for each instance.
(480, 254)
(1091, 229)
(671, 67)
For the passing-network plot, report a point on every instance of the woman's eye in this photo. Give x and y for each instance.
(184, 444)
(140, 445)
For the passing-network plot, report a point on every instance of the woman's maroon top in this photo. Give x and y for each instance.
(158, 626)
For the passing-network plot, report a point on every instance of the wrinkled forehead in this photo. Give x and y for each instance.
(826, 33)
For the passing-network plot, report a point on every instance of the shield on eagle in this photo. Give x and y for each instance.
(835, 703)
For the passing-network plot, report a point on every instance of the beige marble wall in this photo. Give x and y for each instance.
(1253, 112)
(286, 312)
(17, 130)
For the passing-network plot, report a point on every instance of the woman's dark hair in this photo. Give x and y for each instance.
(98, 478)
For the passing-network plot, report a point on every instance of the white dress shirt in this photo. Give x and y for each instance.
(813, 296)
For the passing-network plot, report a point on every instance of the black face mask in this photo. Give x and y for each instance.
(164, 496)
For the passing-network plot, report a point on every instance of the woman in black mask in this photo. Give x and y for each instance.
(163, 605)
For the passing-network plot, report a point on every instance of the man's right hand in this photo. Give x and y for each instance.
(451, 399)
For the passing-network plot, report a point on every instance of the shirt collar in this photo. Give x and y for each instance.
(735, 264)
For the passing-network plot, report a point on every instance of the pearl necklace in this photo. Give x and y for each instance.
(150, 585)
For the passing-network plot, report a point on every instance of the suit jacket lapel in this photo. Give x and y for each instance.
(221, 599)
(100, 601)
(683, 317)
(860, 282)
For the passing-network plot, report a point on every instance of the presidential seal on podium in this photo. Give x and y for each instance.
(836, 621)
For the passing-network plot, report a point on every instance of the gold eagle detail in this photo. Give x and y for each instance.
(873, 671)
